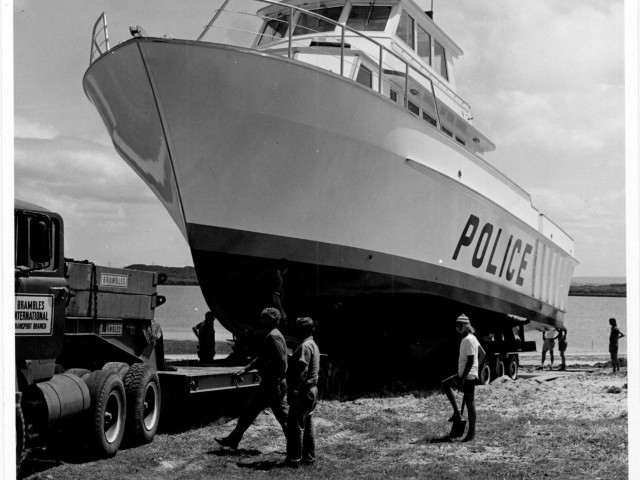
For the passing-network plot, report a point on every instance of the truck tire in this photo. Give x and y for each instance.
(20, 436)
(512, 367)
(108, 412)
(498, 366)
(484, 373)
(119, 368)
(143, 398)
(81, 373)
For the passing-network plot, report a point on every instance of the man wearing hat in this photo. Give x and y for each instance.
(271, 363)
(467, 375)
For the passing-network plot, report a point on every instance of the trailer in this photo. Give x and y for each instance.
(89, 353)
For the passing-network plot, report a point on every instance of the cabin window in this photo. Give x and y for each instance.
(447, 131)
(424, 45)
(459, 140)
(413, 108)
(274, 29)
(393, 95)
(406, 29)
(440, 60)
(368, 18)
(365, 76)
(310, 24)
(428, 118)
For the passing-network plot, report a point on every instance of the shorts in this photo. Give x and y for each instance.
(469, 384)
(549, 344)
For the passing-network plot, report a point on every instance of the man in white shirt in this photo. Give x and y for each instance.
(548, 344)
(466, 377)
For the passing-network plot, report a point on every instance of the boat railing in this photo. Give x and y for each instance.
(99, 38)
(385, 59)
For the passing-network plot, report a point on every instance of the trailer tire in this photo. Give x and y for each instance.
(143, 398)
(485, 373)
(499, 366)
(119, 368)
(108, 412)
(20, 437)
(81, 373)
(512, 367)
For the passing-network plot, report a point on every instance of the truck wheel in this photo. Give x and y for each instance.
(512, 367)
(119, 368)
(143, 397)
(108, 412)
(499, 366)
(20, 436)
(485, 373)
(81, 373)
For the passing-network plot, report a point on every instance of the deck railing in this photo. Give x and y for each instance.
(386, 60)
(402, 66)
(99, 38)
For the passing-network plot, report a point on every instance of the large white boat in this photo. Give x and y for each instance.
(330, 134)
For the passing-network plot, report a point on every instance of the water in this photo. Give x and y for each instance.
(587, 319)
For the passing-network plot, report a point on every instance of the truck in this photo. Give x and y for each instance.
(89, 353)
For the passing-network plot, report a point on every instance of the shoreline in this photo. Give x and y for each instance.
(186, 349)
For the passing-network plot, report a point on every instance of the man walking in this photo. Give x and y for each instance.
(467, 375)
(271, 363)
(304, 367)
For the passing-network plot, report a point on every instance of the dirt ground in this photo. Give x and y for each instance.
(576, 421)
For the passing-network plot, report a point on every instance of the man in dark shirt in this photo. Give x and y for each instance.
(614, 337)
(206, 338)
(271, 363)
(303, 396)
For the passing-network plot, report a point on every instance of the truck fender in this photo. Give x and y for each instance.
(65, 395)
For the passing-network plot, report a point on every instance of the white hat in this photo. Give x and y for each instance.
(463, 319)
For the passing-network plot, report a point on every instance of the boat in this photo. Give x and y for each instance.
(330, 135)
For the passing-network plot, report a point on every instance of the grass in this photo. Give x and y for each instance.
(385, 437)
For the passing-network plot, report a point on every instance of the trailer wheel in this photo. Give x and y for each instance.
(512, 367)
(20, 436)
(81, 373)
(485, 373)
(119, 368)
(143, 397)
(108, 413)
(499, 366)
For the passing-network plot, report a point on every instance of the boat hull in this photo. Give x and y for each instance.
(259, 157)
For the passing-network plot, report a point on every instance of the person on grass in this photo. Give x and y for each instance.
(304, 368)
(466, 378)
(206, 338)
(562, 346)
(271, 363)
(548, 344)
(614, 336)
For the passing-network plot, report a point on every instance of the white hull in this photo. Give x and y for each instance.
(262, 157)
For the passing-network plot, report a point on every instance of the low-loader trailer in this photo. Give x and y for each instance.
(89, 354)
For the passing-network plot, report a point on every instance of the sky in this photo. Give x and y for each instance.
(545, 79)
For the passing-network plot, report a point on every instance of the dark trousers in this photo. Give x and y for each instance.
(270, 394)
(615, 363)
(301, 441)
